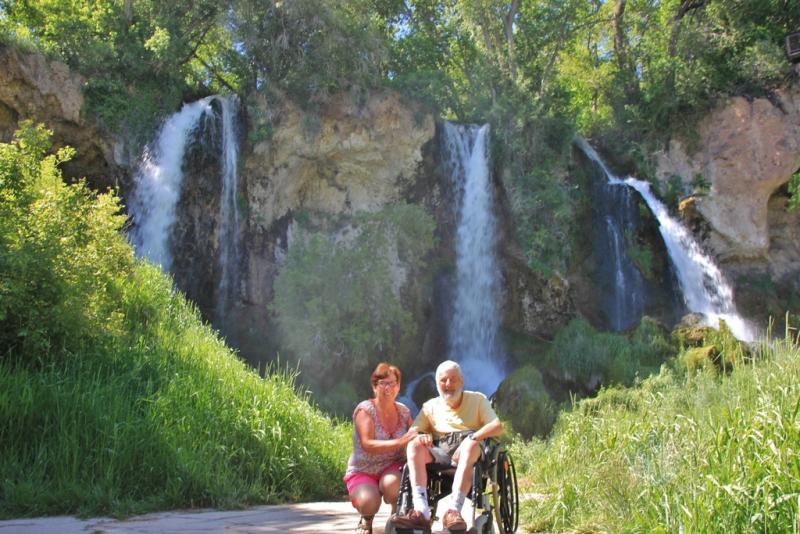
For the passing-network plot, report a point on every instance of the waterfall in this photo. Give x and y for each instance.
(626, 308)
(705, 289)
(158, 182)
(623, 289)
(475, 320)
(407, 397)
(229, 209)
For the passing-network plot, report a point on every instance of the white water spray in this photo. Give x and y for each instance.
(475, 321)
(158, 190)
(229, 209)
(705, 289)
(158, 183)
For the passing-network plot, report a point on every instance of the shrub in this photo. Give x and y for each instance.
(338, 301)
(127, 400)
(588, 356)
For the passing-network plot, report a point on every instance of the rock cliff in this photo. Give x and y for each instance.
(351, 156)
(45, 91)
(746, 150)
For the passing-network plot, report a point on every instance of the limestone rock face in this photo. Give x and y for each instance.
(348, 158)
(44, 91)
(345, 158)
(747, 149)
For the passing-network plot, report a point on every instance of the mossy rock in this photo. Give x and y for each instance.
(701, 358)
(523, 400)
(691, 332)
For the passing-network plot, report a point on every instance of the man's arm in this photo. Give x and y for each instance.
(489, 430)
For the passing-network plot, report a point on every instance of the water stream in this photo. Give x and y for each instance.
(476, 315)
(705, 289)
(159, 180)
(229, 210)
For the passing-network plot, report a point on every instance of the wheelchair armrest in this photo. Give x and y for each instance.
(488, 446)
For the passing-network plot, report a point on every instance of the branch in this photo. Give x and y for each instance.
(216, 75)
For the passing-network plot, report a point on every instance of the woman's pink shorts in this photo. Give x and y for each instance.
(355, 479)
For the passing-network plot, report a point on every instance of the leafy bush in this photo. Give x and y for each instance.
(62, 259)
(129, 402)
(586, 355)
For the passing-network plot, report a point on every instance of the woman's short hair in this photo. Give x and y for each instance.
(382, 371)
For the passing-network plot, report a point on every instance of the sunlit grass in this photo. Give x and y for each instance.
(679, 453)
(165, 416)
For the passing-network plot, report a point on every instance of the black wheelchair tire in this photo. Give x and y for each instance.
(505, 498)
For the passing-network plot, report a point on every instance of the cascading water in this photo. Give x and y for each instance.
(475, 321)
(158, 183)
(159, 180)
(407, 397)
(623, 290)
(704, 287)
(229, 209)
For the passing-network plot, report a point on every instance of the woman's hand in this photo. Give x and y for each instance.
(409, 436)
(425, 439)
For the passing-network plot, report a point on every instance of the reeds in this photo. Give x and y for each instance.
(680, 453)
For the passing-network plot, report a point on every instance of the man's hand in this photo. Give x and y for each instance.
(425, 439)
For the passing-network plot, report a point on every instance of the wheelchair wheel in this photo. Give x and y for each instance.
(506, 498)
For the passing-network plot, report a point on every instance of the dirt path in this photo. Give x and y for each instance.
(320, 517)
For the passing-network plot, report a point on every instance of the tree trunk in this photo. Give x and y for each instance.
(508, 29)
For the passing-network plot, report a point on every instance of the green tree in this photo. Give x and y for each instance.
(61, 253)
(337, 297)
(139, 57)
(308, 49)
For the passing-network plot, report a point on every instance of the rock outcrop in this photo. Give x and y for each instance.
(46, 91)
(350, 157)
(747, 149)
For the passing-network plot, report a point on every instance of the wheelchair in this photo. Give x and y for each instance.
(494, 493)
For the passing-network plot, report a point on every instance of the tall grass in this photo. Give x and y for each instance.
(679, 453)
(115, 397)
(171, 418)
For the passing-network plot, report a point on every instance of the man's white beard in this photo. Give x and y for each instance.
(450, 397)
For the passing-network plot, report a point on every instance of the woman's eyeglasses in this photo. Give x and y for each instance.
(386, 384)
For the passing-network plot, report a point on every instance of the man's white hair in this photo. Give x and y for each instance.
(446, 366)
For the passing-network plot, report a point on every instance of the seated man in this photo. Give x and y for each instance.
(454, 424)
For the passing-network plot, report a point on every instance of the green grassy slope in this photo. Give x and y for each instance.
(682, 452)
(114, 396)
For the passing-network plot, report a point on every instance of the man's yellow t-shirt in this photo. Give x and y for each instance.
(437, 418)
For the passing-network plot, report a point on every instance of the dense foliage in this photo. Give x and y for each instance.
(683, 452)
(127, 400)
(632, 73)
(585, 354)
(140, 58)
(338, 298)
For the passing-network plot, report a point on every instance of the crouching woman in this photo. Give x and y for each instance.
(382, 430)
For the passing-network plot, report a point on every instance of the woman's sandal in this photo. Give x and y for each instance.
(365, 525)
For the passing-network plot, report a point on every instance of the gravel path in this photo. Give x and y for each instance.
(320, 517)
